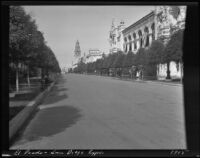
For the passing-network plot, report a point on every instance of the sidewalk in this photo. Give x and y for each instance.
(25, 106)
(165, 82)
(25, 111)
(19, 100)
(171, 83)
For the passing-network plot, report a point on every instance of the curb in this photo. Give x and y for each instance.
(155, 82)
(19, 120)
(145, 81)
(165, 83)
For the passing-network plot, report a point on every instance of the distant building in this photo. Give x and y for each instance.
(77, 54)
(64, 70)
(93, 55)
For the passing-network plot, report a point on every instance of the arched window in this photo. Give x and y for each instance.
(125, 47)
(153, 31)
(130, 47)
(125, 39)
(135, 44)
(146, 30)
(129, 37)
(140, 38)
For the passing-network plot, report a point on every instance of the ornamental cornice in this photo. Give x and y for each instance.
(139, 23)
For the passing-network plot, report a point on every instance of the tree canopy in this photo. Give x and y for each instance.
(173, 50)
(141, 57)
(118, 61)
(27, 44)
(155, 52)
(129, 60)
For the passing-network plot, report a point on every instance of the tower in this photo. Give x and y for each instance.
(77, 51)
(120, 37)
(112, 34)
(116, 37)
(77, 54)
(121, 25)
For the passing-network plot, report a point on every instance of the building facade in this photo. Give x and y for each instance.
(116, 37)
(158, 24)
(140, 34)
(77, 55)
(92, 56)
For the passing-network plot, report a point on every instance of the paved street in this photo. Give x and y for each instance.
(94, 112)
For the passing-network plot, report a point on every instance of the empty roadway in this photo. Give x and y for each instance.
(94, 112)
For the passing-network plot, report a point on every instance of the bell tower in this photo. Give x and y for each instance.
(77, 51)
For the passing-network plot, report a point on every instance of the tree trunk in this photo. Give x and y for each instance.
(28, 78)
(181, 72)
(157, 71)
(168, 71)
(142, 74)
(17, 79)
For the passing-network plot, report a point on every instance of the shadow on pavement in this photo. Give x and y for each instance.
(54, 96)
(52, 99)
(62, 89)
(13, 111)
(51, 121)
(61, 79)
(25, 96)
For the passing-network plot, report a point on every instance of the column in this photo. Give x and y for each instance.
(150, 39)
(138, 43)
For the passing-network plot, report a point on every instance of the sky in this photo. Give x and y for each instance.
(62, 26)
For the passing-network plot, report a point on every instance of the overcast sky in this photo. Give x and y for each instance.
(64, 25)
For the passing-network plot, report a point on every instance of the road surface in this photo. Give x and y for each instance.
(94, 112)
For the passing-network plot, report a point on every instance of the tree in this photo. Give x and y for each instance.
(111, 60)
(27, 46)
(155, 52)
(141, 61)
(50, 63)
(141, 57)
(173, 50)
(129, 59)
(81, 67)
(98, 64)
(154, 57)
(118, 62)
(20, 28)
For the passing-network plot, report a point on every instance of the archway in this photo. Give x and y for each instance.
(134, 38)
(125, 44)
(130, 46)
(140, 38)
(153, 31)
(146, 31)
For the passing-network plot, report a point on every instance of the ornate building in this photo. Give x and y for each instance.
(77, 54)
(116, 37)
(93, 55)
(161, 23)
(170, 19)
(140, 34)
